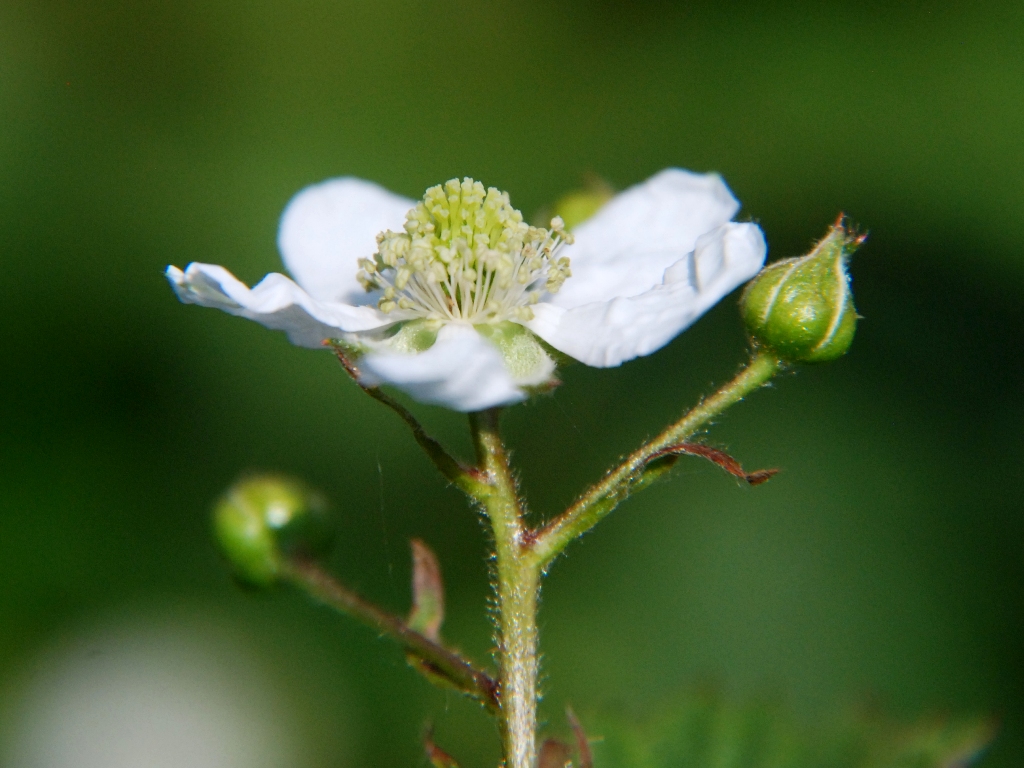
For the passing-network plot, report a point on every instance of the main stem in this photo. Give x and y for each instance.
(518, 583)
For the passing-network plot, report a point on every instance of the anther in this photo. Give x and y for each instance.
(466, 254)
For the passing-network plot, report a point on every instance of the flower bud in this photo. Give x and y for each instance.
(263, 519)
(802, 308)
(579, 205)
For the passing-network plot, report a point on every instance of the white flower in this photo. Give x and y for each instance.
(444, 299)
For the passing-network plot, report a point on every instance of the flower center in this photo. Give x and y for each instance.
(466, 254)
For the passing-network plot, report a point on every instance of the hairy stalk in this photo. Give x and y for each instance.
(632, 474)
(465, 478)
(517, 586)
(433, 659)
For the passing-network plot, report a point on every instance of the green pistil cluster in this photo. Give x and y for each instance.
(466, 254)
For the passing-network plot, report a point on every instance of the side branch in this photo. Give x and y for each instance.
(468, 479)
(434, 659)
(648, 462)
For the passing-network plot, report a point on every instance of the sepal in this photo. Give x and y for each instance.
(524, 355)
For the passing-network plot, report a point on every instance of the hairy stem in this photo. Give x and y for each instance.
(630, 475)
(465, 478)
(432, 657)
(517, 584)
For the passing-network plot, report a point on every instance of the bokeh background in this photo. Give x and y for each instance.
(885, 563)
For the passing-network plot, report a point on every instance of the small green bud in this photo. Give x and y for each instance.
(579, 205)
(802, 308)
(263, 519)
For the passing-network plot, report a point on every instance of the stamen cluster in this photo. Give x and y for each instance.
(466, 254)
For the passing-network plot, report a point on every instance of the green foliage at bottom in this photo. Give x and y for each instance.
(708, 731)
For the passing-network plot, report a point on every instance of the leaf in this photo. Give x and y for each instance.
(706, 731)
(427, 592)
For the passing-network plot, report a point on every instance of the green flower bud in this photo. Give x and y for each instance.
(263, 519)
(802, 308)
(579, 205)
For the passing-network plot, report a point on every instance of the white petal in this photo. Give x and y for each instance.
(626, 247)
(328, 227)
(275, 302)
(461, 371)
(607, 333)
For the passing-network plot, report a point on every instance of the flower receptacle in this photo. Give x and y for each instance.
(262, 520)
(802, 308)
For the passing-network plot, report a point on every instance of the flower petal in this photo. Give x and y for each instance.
(276, 302)
(328, 227)
(607, 333)
(629, 243)
(462, 371)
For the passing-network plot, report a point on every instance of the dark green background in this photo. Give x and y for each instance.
(885, 561)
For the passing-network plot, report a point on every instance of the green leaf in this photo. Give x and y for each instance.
(707, 731)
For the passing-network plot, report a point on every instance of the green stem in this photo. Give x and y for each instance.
(517, 586)
(465, 478)
(437, 660)
(604, 496)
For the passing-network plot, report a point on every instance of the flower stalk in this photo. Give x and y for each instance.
(467, 479)
(517, 584)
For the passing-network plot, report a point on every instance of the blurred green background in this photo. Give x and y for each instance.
(885, 563)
